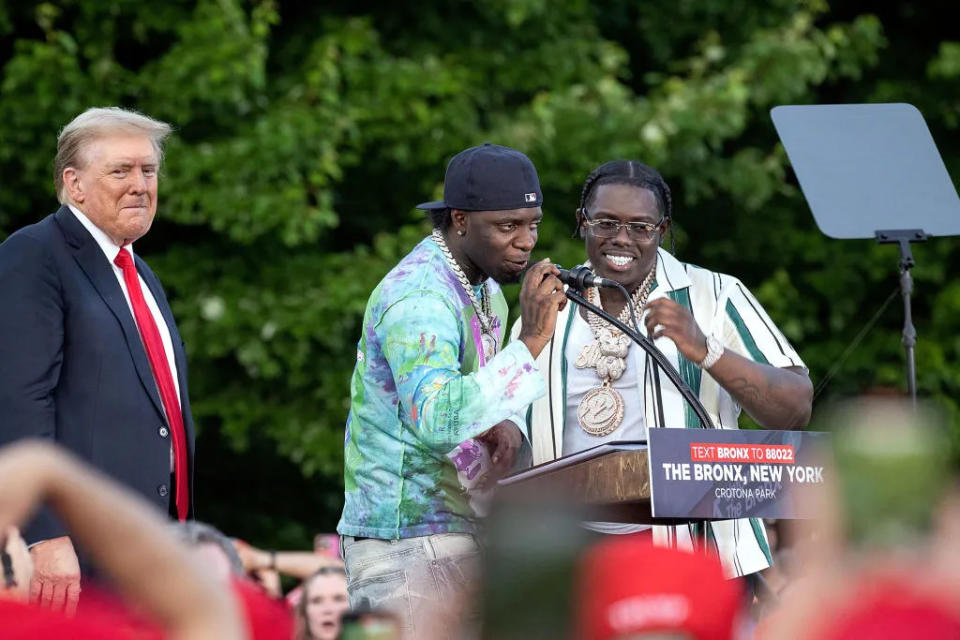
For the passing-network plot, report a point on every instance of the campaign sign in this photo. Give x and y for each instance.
(722, 474)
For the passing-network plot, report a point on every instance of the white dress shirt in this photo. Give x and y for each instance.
(111, 250)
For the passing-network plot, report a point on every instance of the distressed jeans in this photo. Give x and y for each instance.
(431, 583)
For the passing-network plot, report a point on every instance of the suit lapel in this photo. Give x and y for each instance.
(94, 264)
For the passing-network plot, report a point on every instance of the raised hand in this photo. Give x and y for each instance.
(541, 298)
(669, 319)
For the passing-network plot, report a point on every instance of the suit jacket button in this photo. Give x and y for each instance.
(164, 432)
(162, 490)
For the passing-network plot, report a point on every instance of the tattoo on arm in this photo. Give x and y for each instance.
(769, 396)
(744, 390)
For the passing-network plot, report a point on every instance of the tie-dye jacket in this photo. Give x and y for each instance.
(419, 389)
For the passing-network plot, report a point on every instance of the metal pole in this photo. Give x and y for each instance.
(903, 238)
(909, 332)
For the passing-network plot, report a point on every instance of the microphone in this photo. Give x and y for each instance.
(580, 277)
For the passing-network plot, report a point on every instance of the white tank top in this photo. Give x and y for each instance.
(579, 382)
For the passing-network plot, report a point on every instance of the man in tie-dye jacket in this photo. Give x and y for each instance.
(433, 386)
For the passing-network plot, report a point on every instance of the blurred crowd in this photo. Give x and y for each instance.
(882, 561)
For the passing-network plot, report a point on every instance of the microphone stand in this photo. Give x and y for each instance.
(648, 346)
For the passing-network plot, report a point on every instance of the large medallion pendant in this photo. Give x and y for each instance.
(489, 345)
(601, 411)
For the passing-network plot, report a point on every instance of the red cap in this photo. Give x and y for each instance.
(628, 586)
(890, 609)
(103, 617)
(22, 621)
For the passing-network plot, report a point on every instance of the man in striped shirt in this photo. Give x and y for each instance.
(707, 324)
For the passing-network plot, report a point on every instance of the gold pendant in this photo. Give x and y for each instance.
(601, 410)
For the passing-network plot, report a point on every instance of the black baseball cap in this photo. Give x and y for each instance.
(489, 178)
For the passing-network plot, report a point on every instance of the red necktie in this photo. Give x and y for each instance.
(150, 336)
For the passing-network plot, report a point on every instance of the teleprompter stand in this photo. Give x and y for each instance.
(872, 171)
(903, 238)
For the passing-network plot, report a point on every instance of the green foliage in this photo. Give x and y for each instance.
(306, 132)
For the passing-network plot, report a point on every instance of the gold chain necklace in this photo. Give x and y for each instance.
(601, 410)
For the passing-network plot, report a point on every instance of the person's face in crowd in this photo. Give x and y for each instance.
(117, 187)
(327, 600)
(628, 256)
(20, 566)
(498, 243)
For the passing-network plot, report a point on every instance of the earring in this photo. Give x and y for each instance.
(461, 232)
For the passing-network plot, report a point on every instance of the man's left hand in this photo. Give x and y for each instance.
(56, 577)
(667, 318)
(504, 441)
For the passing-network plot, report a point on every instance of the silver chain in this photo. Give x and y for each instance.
(481, 307)
(639, 296)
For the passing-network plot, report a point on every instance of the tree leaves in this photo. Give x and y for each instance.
(305, 134)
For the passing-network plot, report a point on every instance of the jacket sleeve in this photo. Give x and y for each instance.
(31, 352)
(421, 340)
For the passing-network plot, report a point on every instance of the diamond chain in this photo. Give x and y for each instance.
(639, 297)
(482, 309)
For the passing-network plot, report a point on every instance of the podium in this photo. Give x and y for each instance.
(609, 483)
(686, 476)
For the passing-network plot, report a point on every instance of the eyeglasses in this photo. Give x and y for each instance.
(604, 228)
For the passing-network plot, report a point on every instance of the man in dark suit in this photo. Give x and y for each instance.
(90, 356)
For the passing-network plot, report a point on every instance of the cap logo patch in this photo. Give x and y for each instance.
(530, 197)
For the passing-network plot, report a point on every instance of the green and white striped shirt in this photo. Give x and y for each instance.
(723, 307)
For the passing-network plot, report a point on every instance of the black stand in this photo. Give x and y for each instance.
(903, 238)
(655, 353)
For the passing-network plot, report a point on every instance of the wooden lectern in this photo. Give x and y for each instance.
(609, 482)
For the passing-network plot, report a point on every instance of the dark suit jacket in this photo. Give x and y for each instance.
(72, 366)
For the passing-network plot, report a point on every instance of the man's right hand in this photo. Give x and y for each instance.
(56, 575)
(541, 297)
